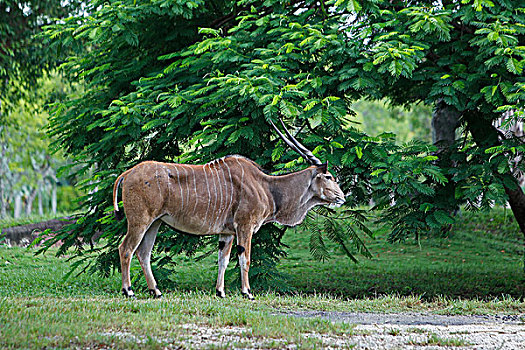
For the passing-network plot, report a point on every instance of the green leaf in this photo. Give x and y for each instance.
(316, 119)
(359, 152)
(353, 6)
(317, 82)
(443, 218)
(377, 172)
(154, 123)
(514, 66)
(211, 31)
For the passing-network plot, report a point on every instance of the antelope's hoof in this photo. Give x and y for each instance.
(128, 293)
(155, 293)
(220, 294)
(248, 296)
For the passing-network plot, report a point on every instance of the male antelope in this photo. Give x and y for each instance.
(230, 197)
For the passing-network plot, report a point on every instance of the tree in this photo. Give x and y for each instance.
(467, 59)
(376, 117)
(29, 165)
(23, 61)
(23, 57)
(158, 87)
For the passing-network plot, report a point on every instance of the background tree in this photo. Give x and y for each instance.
(467, 59)
(29, 165)
(23, 61)
(376, 117)
(23, 57)
(159, 88)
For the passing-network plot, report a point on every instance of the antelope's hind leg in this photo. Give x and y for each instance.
(131, 241)
(144, 255)
(244, 247)
(225, 248)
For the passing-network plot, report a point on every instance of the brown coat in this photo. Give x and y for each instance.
(230, 197)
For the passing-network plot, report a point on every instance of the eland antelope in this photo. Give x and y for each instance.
(230, 197)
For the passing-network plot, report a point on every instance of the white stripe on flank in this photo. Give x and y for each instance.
(231, 184)
(186, 182)
(209, 194)
(225, 182)
(215, 203)
(180, 187)
(242, 179)
(169, 182)
(219, 208)
(195, 188)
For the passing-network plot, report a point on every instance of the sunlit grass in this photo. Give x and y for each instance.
(477, 270)
(482, 257)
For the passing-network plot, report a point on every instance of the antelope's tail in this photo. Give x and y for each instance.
(118, 214)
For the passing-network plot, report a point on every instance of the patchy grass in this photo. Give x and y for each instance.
(99, 321)
(482, 258)
(476, 270)
(394, 331)
(434, 339)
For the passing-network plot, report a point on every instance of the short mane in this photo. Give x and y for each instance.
(249, 160)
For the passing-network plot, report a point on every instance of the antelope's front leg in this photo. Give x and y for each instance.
(244, 247)
(225, 248)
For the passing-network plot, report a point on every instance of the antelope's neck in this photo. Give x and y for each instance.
(292, 197)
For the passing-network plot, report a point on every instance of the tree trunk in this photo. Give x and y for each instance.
(517, 204)
(3, 204)
(40, 203)
(18, 206)
(30, 200)
(54, 198)
(3, 163)
(445, 121)
(486, 135)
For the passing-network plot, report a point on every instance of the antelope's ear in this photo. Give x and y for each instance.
(323, 168)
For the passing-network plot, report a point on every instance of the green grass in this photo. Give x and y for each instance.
(476, 261)
(433, 339)
(87, 321)
(482, 258)
(477, 270)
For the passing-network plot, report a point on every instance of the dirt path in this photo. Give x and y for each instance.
(371, 331)
(424, 331)
(409, 319)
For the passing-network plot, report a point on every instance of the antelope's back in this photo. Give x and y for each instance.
(198, 199)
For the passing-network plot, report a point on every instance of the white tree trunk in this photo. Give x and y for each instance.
(30, 200)
(54, 198)
(3, 170)
(18, 205)
(3, 203)
(40, 202)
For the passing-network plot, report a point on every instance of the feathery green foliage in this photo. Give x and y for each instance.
(23, 57)
(192, 81)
